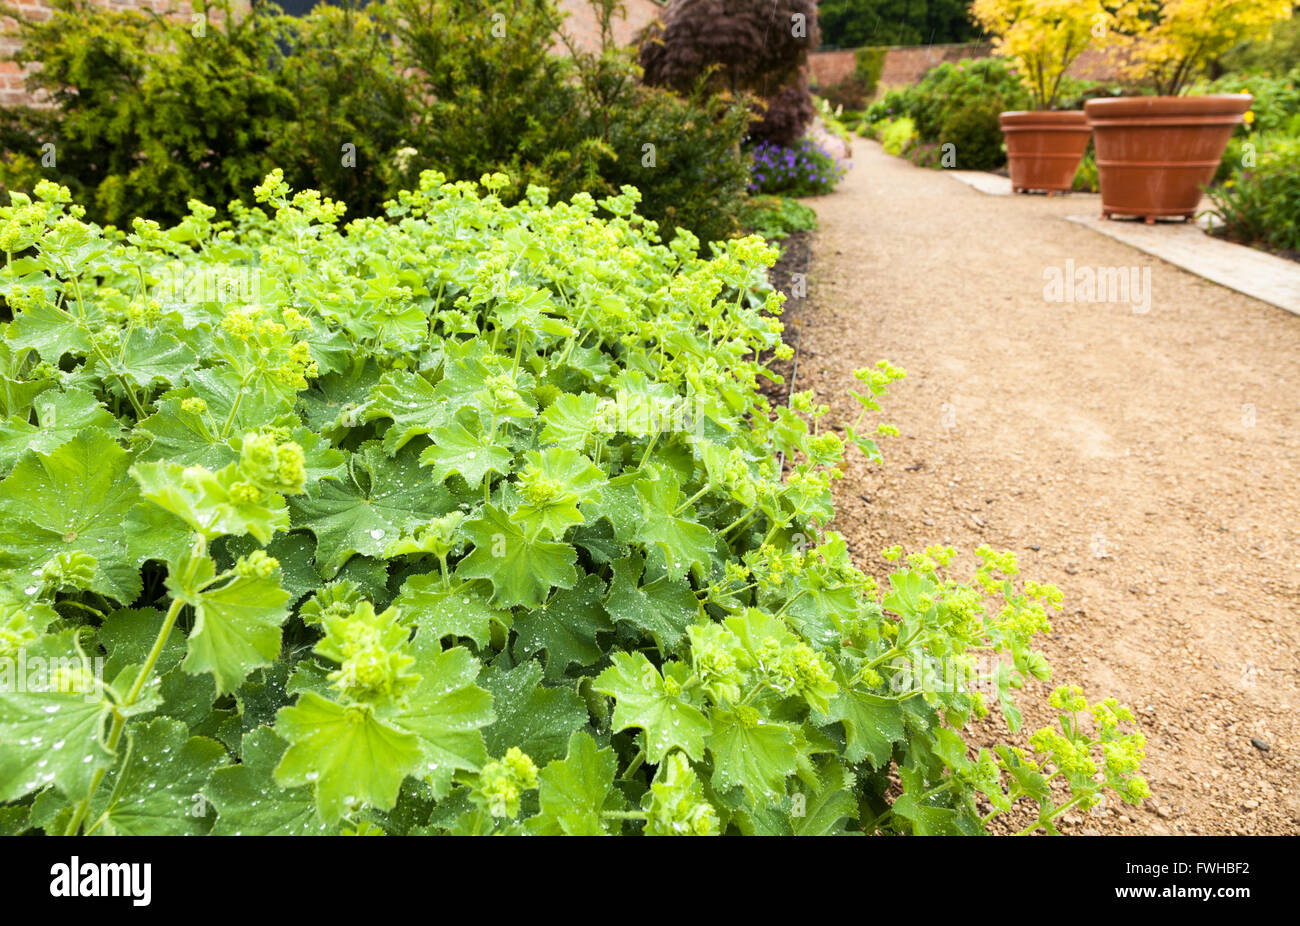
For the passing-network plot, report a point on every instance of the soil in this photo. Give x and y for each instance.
(795, 259)
(1148, 463)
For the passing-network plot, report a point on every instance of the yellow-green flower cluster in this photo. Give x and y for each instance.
(800, 670)
(336, 600)
(1073, 759)
(269, 465)
(502, 783)
(676, 805)
(714, 661)
(1068, 698)
(257, 565)
(371, 651)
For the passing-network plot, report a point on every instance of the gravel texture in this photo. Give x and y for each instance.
(1148, 463)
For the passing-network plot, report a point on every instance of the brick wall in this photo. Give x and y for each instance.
(582, 28)
(906, 64)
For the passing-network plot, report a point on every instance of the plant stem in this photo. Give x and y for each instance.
(119, 719)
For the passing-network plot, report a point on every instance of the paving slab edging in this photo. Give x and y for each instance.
(1253, 273)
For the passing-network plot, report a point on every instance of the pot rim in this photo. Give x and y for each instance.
(1233, 104)
(1044, 116)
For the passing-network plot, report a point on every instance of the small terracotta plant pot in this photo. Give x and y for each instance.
(1044, 148)
(1154, 154)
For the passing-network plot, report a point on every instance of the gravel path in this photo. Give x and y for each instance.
(1148, 463)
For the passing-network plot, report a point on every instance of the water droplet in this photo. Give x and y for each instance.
(377, 533)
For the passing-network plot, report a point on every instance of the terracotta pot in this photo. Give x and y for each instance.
(1044, 148)
(1154, 154)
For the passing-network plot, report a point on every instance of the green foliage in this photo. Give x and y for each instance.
(775, 217)
(896, 134)
(975, 134)
(1276, 105)
(1274, 117)
(951, 88)
(490, 102)
(854, 23)
(1086, 179)
(1260, 204)
(868, 65)
(469, 520)
(149, 113)
(955, 103)
(1275, 56)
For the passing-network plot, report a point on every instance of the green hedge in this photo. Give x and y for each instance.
(152, 111)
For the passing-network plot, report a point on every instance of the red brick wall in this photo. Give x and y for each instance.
(582, 28)
(906, 64)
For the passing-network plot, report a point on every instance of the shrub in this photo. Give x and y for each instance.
(352, 112)
(856, 90)
(1276, 56)
(698, 179)
(868, 65)
(805, 169)
(1261, 205)
(1274, 116)
(571, 123)
(741, 46)
(896, 102)
(895, 134)
(1276, 104)
(488, 102)
(357, 102)
(951, 87)
(148, 115)
(469, 520)
(849, 93)
(776, 217)
(955, 103)
(975, 134)
(785, 116)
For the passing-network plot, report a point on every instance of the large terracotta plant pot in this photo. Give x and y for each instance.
(1154, 154)
(1044, 148)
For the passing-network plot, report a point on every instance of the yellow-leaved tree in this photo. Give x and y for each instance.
(1169, 42)
(1044, 37)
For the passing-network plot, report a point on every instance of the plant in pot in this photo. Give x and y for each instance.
(1155, 154)
(1044, 37)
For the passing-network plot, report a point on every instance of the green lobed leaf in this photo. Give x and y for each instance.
(345, 753)
(642, 700)
(574, 790)
(73, 499)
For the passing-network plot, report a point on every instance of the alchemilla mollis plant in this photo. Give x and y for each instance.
(468, 520)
